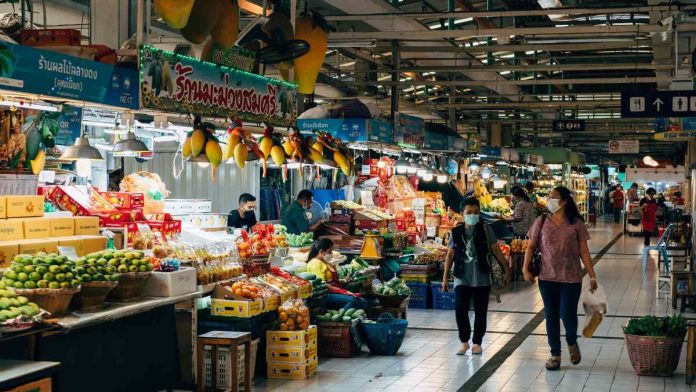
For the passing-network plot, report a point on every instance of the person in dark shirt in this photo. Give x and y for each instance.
(295, 216)
(244, 216)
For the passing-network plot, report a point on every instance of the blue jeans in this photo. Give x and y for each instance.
(338, 301)
(560, 303)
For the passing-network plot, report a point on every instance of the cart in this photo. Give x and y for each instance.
(632, 219)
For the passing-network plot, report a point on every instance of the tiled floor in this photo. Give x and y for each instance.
(426, 361)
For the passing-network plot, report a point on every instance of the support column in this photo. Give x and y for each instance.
(395, 78)
(109, 22)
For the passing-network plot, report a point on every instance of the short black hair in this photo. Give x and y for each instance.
(471, 201)
(677, 194)
(246, 197)
(650, 191)
(529, 185)
(305, 194)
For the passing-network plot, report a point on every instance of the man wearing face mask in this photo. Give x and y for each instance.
(470, 245)
(295, 216)
(244, 216)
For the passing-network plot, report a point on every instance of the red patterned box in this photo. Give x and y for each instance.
(70, 198)
(124, 199)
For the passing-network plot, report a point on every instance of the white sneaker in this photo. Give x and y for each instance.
(463, 349)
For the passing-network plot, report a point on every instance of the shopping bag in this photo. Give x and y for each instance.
(595, 304)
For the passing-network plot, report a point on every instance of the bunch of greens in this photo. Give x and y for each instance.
(669, 326)
(394, 286)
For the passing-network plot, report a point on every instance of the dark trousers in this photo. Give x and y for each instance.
(560, 303)
(617, 214)
(463, 295)
(646, 237)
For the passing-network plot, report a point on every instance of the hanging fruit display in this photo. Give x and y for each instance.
(202, 144)
(198, 25)
(311, 28)
(239, 143)
(226, 28)
(336, 150)
(271, 145)
(175, 13)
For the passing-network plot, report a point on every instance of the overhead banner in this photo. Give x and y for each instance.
(69, 125)
(624, 146)
(435, 141)
(30, 70)
(675, 129)
(568, 125)
(409, 131)
(174, 83)
(635, 104)
(347, 129)
(381, 131)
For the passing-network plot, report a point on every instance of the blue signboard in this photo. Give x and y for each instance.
(30, 70)
(69, 125)
(409, 131)
(658, 104)
(436, 141)
(456, 143)
(381, 131)
(347, 129)
(491, 151)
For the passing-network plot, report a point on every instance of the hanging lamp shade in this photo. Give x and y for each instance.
(130, 144)
(402, 165)
(81, 150)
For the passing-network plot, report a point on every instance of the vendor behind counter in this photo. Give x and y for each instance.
(295, 216)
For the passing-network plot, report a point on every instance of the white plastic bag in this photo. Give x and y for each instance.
(595, 304)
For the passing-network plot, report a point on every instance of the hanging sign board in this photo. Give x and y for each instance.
(675, 129)
(175, 83)
(409, 131)
(381, 131)
(69, 125)
(435, 141)
(658, 104)
(235, 57)
(624, 147)
(456, 143)
(347, 129)
(31, 70)
(568, 125)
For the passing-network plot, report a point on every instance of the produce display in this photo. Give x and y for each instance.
(304, 286)
(214, 263)
(357, 271)
(674, 325)
(45, 271)
(426, 258)
(15, 310)
(259, 243)
(319, 287)
(401, 187)
(499, 206)
(107, 265)
(346, 205)
(246, 289)
(281, 236)
(202, 142)
(393, 287)
(293, 315)
(279, 284)
(481, 193)
(376, 214)
(342, 315)
(300, 240)
(519, 245)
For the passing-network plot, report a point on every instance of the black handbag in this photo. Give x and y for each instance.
(535, 266)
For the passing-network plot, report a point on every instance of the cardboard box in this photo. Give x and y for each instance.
(170, 284)
(40, 245)
(292, 371)
(93, 243)
(76, 242)
(80, 201)
(8, 250)
(292, 354)
(11, 230)
(35, 228)
(24, 206)
(86, 225)
(62, 227)
(220, 306)
(3, 207)
(124, 199)
(299, 339)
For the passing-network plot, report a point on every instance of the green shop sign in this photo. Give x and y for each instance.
(174, 83)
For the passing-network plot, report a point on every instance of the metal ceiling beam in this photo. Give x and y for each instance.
(530, 82)
(526, 68)
(503, 14)
(609, 104)
(595, 31)
(567, 47)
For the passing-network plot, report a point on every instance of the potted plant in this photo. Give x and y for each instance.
(654, 344)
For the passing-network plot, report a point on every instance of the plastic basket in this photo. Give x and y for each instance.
(223, 362)
(441, 300)
(654, 355)
(421, 296)
(386, 335)
(338, 339)
(412, 278)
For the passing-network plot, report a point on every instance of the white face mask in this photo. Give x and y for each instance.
(553, 205)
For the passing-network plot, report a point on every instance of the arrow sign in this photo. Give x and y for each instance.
(658, 104)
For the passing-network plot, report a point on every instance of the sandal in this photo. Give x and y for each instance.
(476, 349)
(554, 363)
(575, 356)
(463, 349)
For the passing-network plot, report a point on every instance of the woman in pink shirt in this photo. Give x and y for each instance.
(562, 240)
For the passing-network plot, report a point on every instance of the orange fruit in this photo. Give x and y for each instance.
(283, 316)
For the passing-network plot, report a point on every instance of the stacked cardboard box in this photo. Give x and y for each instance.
(292, 354)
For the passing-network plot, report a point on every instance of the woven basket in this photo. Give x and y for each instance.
(130, 285)
(654, 355)
(54, 301)
(92, 295)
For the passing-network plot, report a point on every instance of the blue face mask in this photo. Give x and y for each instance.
(471, 219)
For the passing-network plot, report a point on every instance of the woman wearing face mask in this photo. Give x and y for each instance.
(648, 209)
(318, 264)
(562, 239)
(469, 247)
(523, 214)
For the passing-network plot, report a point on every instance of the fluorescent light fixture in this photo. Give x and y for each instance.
(474, 167)
(435, 26)
(102, 124)
(348, 64)
(427, 177)
(486, 173)
(26, 105)
(505, 72)
(203, 165)
(423, 169)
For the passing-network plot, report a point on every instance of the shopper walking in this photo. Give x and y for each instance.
(648, 209)
(523, 214)
(562, 241)
(617, 200)
(470, 246)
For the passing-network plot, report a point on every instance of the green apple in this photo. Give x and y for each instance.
(49, 276)
(60, 277)
(30, 284)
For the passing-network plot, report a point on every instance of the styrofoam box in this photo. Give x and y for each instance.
(170, 284)
(203, 206)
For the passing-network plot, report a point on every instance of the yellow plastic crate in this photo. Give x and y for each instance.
(300, 339)
(292, 371)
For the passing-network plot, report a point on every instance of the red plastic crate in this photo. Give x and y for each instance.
(50, 37)
(336, 340)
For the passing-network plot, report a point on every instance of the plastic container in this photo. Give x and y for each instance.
(170, 284)
(421, 296)
(442, 300)
(386, 335)
(337, 339)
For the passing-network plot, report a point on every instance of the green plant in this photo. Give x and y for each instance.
(47, 125)
(669, 326)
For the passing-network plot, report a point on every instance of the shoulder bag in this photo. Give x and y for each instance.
(499, 280)
(535, 266)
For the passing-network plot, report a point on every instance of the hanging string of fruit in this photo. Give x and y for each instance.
(299, 148)
(337, 151)
(271, 146)
(239, 143)
(202, 140)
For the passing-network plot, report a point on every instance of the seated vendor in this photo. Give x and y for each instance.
(318, 264)
(295, 216)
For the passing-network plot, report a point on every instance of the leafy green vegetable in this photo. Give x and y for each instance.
(670, 326)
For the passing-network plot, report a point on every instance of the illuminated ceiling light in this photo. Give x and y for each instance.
(486, 173)
(402, 166)
(81, 150)
(423, 169)
(26, 105)
(427, 177)
(413, 167)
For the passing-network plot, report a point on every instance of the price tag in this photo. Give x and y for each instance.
(69, 252)
(365, 170)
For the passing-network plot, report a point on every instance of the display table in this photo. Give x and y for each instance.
(125, 347)
(38, 375)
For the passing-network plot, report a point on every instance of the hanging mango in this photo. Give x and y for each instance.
(311, 28)
(175, 13)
